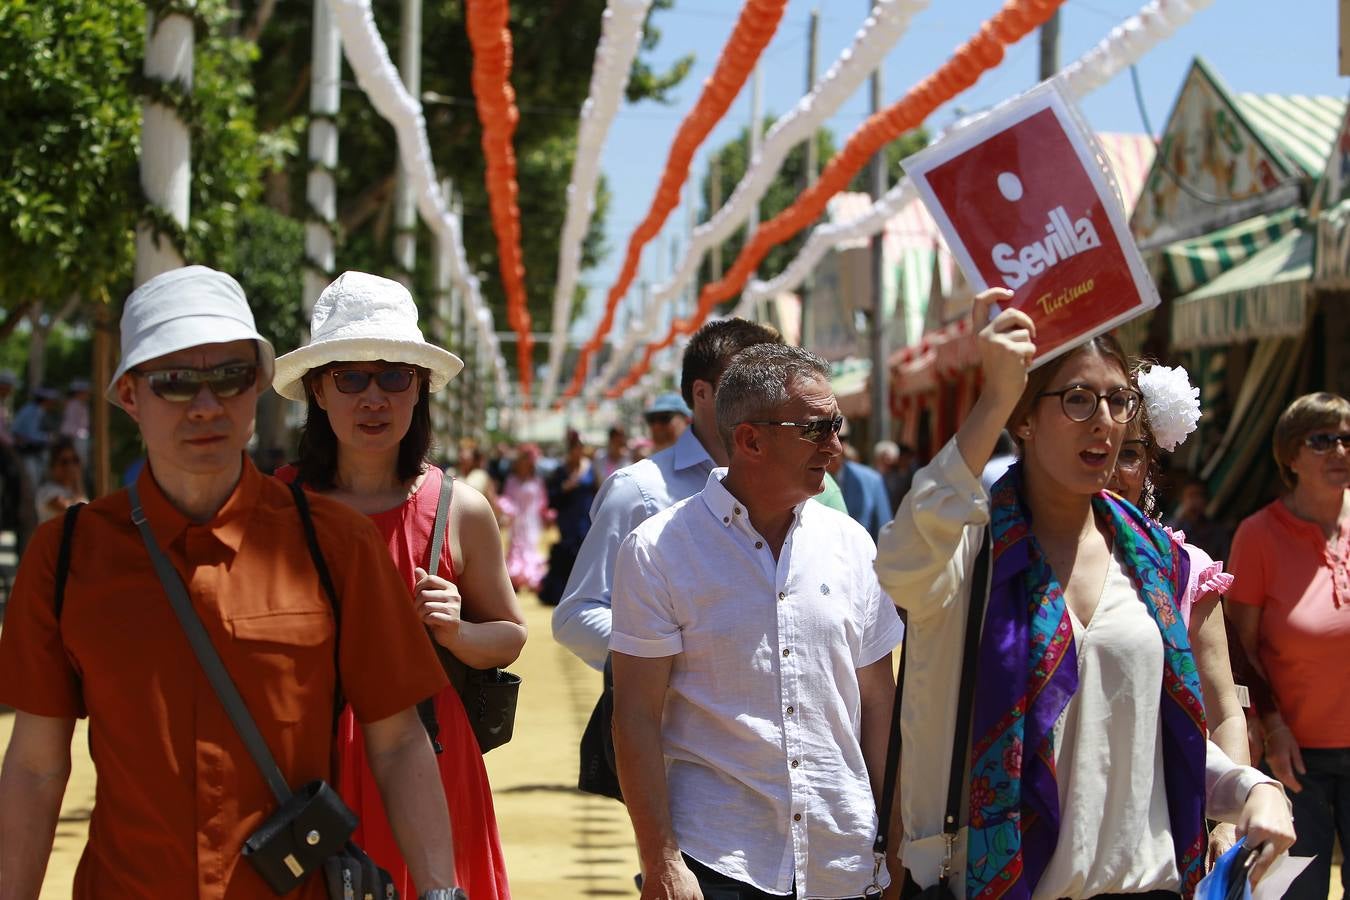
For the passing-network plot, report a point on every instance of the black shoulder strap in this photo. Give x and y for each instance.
(426, 710)
(63, 557)
(315, 551)
(979, 596)
(325, 579)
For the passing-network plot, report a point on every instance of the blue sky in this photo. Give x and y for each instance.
(1254, 45)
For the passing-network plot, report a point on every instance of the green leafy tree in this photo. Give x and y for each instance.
(787, 185)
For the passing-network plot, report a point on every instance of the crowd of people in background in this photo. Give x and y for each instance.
(44, 453)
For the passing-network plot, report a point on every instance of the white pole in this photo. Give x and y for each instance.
(166, 146)
(756, 119)
(405, 204)
(325, 97)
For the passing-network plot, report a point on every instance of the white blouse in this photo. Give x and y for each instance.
(1114, 834)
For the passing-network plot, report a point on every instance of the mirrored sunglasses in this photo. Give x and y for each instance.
(391, 381)
(1326, 442)
(817, 431)
(182, 385)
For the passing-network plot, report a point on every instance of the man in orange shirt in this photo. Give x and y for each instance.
(177, 791)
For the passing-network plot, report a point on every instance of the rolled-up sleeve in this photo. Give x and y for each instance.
(924, 553)
(644, 615)
(582, 621)
(1227, 784)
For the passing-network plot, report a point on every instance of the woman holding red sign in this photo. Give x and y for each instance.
(1089, 770)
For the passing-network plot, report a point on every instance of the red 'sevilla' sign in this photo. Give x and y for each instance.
(1024, 204)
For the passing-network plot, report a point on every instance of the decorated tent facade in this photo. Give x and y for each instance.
(1224, 218)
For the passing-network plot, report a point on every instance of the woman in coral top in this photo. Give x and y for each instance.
(1291, 606)
(366, 376)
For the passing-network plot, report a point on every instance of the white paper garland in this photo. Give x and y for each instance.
(878, 35)
(620, 37)
(376, 74)
(1125, 45)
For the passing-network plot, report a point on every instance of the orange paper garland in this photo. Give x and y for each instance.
(754, 29)
(490, 38)
(982, 52)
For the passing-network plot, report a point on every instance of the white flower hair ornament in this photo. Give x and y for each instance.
(1173, 405)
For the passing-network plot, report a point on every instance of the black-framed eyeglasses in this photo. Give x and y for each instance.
(1325, 442)
(1080, 403)
(394, 380)
(817, 431)
(182, 385)
(1133, 454)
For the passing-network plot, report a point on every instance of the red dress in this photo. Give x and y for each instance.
(479, 866)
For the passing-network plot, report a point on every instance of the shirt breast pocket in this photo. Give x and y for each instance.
(283, 661)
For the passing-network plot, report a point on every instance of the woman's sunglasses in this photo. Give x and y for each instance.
(1325, 443)
(182, 385)
(391, 381)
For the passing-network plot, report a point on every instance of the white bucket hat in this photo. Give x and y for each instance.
(184, 308)
(364, 318)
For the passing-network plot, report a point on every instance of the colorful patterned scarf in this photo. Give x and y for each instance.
(1028, 670)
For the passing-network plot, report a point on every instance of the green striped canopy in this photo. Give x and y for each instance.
(1264, 297)
(1199, 261)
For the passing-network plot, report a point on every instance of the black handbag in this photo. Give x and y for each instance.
(489, 695)
(979, 596)
(311, 829)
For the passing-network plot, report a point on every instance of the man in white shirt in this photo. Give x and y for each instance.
(582, 620)
(752, 661)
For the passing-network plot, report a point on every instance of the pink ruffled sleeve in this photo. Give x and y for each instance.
(1207, 577)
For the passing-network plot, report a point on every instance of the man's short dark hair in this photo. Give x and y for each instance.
(713, 346)
(318, 461)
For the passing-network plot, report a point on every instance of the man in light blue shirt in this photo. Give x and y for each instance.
(636, 493)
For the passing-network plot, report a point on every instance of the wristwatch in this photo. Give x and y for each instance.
(454, 893)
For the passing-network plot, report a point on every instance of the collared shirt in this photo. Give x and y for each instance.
(762, 725)
(177, 791)
(926, 558)
(28, 427)
(627, 499)
(1286, 568)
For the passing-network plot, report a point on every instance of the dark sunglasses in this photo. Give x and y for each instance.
(391, 381)
(182, 385)
(1080, 403)
(1325, 443)
(817, 431)
(67, 461)
(664, 418)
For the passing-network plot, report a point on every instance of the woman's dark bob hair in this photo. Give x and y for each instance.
(318, 461)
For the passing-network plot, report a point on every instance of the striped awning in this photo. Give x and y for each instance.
(1199, 261)
(1302, 128)
(1333, 245)
(1264, 297)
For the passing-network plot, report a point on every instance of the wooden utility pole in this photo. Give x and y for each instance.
(715, 203)
(1050, 46)
(100, 410)
(405, 204)
(808, 323)
(881, 406)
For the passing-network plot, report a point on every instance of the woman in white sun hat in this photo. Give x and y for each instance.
(366, 375)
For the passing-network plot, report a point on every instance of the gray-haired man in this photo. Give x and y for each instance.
(752, 660)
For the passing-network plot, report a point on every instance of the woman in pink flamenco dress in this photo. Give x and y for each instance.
(524, 500)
